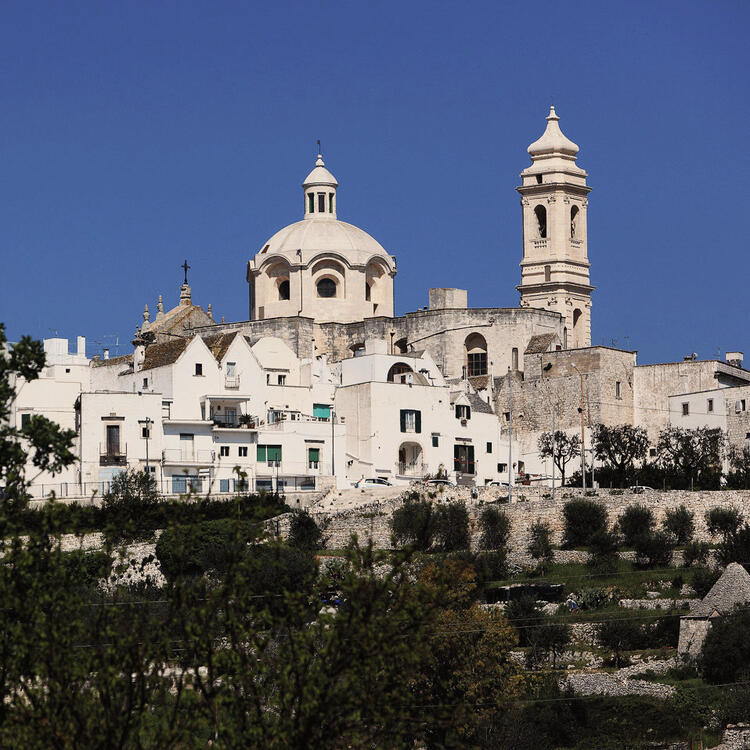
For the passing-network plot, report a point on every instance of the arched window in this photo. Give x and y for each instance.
(576, 317)
(357, 350)
(548, 273)
(368, 291)
(284, 289)
(514, 358)
(476, 355)
(401, 346)
(541, 219)
(398, 373)
(565, 338)
(326, 287)
(574, 222)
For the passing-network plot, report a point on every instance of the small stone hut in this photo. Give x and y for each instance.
(731, 589)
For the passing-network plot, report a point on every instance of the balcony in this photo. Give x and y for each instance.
(232, 381)
(227, 422)
(113, 456)
(183, 457)
(404, 469)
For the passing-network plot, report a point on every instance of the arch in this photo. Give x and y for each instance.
(577, 313)
(398, 373)
(541, 220)
(574, 211)
(514, 358)
(283, 287)
(357, 350)
(278, 280)
(401, 346)
(476, 354)
(376, 276)
(326, 287)
(410, 462)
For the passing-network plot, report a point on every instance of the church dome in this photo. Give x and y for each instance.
(553, 140)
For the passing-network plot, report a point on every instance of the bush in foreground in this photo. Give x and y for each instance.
(583, 519)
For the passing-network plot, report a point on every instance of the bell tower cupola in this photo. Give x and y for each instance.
(555, 265)
(320, 192)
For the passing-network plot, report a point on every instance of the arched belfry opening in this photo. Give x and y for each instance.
(476, 355)
(541, 221)
(574, 210)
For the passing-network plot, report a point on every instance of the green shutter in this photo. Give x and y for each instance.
(458, 412)
(25, 419)
(274, 453)
(313, 454)
(321, 411)
(470, 459)
(456, 458)
(403, 420)
(417, 421)
(261, 453)
(435, 441)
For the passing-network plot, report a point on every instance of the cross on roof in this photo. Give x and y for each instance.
(185, 268)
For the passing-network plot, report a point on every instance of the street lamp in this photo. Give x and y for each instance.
(146, 435)
(583, 433)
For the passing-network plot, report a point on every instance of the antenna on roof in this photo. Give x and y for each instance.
(319, 151)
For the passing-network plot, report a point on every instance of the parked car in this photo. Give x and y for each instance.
(495, 483)
(440, 482)
(373, 482)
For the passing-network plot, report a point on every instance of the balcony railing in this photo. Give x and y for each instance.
(182, 456)
(228, 422)
(111, 456)
(410, 469)
(232, 381)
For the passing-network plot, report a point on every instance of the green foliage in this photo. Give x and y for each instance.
(540, 543)
(84, 569)
(680, 523)
(413, 523)
(523, 614)
(547, 640)
(495, 527)
(559, 446)
(491, 565)
(723, 521)
(592, 598)
(692, 456)
(304, 532)
(451, 524)
(603, 550)
(129, 505)
(738, 477)
(725, 656)
(654, 550)
(736, 547)
(703, 579)
(696, 553)
(619, 447)
(636, 521)
(583, 519)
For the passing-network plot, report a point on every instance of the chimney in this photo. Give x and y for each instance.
(734, 359)
(106, 354)
(81, 346)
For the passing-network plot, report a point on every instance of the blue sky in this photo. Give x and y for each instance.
(134, 135)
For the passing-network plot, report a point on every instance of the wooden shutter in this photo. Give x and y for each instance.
(417, 421)
(403, 420)
(261, 456)
(468, 412)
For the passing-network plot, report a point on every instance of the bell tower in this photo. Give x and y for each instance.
(555, 265)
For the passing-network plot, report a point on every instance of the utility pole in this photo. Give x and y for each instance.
(583, 434)
(553, 453)
(510, 436)
(146, 435)
(333, 443)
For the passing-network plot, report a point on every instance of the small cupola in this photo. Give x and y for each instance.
(320, 192)
(553, 141)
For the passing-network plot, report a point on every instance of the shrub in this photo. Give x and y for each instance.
(547, 638)
(654, 550)
(540, 544)
(696, 552)
(414, 524)
(736, 547)
(130, 504)
(583, 519)
(621, 634)
(523, 614)
(723, 521)
(662, 633)
(703, 579)
(491, 565)
(592, 598)
(680, 523)
(636, 521)
(603, 550)
(495, 526)
(725, 656)
(86, 568)
(304, 532)
(452, 527)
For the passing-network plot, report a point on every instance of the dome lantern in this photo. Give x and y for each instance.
(320, 192)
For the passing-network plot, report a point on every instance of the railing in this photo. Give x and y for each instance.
(110, 457)
(180, 456)
(410, 469)
(228, 422)
(232, 381)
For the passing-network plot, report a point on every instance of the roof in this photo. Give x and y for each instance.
(479, 405)
(159, 355)
(320, 175)
(479, 381)
(540, 343)
(112, 361)
(553, 141)
(732, 588)
(219, 343)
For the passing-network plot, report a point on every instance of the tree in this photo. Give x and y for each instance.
(680, 523)
(654, 550)
(540, 543)
(495, 526)
(547, 638)
(738, 477)
(618, 635)
(304, 533)
(636, 521)
(583, 519)
(130, 504)
(414, 523)
(559, 446)
(723, 521)
(619, 447)
(736, 547)
(603, 550)
(452, 527)
(692, 455)
(725, 656)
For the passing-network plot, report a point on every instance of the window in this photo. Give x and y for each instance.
(435, 440)
(502, 468)
(368, 292)
(618, 393)
(113, 439)
(310, 203)
(198, 368)
(489, 447)
(476, 355)
(399, 373)
(573, 222)
(685, 410)
(223, 485)
(242, 451)
(541, 221)
(747, 436)
(321, 203)
(739, 406)
(463, 411)
(411, 420)
(322, 411)
(539, 179)
(652, 452)
(284, 289)
(326, 288)
(463, 459)
(145, 382)
(181, 484)
(313, 458)
(710, 404)
(224, 450)
(282, 379)
(506, 416)
(514, 358)
(269, 453)
(330, 203)
(25, 419)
